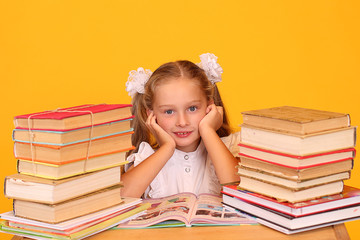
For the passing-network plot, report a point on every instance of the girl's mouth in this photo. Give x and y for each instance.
(182, 134)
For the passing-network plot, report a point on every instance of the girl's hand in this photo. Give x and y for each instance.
(161, 136)
(213, 119)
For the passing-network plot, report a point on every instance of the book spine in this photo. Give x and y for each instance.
(5, 186)
(349, 119)
(355, 135)
(17, 165)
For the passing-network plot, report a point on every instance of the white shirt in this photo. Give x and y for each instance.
(184, 171)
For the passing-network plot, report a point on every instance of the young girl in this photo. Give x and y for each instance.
(181, 134)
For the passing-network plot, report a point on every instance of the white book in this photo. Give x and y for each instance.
(299, 144)
(288, 194)
(291, 222)
(296, 185)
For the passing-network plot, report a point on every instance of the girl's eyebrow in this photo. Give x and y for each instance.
(172, 105)
(165, 106)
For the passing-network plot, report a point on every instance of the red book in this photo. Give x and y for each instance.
(349, 196)
(295, 161)
(73, 117)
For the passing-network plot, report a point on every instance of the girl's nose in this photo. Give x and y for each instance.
(182, 120)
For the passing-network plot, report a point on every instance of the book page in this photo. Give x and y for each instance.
(175, 207)
(209, 210)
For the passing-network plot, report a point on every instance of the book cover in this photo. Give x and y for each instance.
(30, 188)
(296, 161)
(349, 196)
(291, 222)
(287, 194)
(296, 144)
(127, 204)
(66, 170)
(296, 119)
(73, 117)
(77, 228)
(73, 152)
(69, 209)
(293, 231)
(71, 136)
(290, 183)
(297, 174)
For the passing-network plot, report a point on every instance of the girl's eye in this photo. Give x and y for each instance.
(169, 112)
(192, 109)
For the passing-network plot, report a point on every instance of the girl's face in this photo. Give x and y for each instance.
(179, 105)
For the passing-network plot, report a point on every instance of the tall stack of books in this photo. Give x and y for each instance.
(293, 155)
(69, 169)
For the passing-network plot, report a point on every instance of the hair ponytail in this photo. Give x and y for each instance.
(141, 132)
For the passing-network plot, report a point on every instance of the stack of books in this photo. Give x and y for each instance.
(69, 169)
(294, 155)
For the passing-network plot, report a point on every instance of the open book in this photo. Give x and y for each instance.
(187, 209)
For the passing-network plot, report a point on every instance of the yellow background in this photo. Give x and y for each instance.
(66, 53)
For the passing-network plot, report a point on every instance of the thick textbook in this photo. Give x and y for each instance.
(64, 137)
(347, 213)
(297, 144)
(290, 183)
(349, 196)
(296, 161)
(73, 152)
(189, 210)
(73, 117)
(30, 188)
(72, 208)
(77, 228)
(298, 230)
(297, 174)
(295, 119)
(287, 194)
(60, 171)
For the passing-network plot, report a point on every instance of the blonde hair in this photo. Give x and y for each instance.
(170, 71)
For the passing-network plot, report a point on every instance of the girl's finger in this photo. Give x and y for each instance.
(220, 110)
(209, 108)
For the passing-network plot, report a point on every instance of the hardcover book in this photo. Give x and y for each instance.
(60, 171)
(296, 174)
(347, 213)
(73, 117)
(349, 196)
(299, 145)
(296, 120)
(77, 228)
(73, 152)
(29, 188)
(296, 161)
(287, 194)
(72, 208)
(290, 183)
(71, 136)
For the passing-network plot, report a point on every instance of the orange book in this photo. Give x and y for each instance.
(74, 152)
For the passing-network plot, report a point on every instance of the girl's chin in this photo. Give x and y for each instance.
(189, 147)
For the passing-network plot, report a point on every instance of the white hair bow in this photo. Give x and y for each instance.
(212, 69)
(138, 78)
